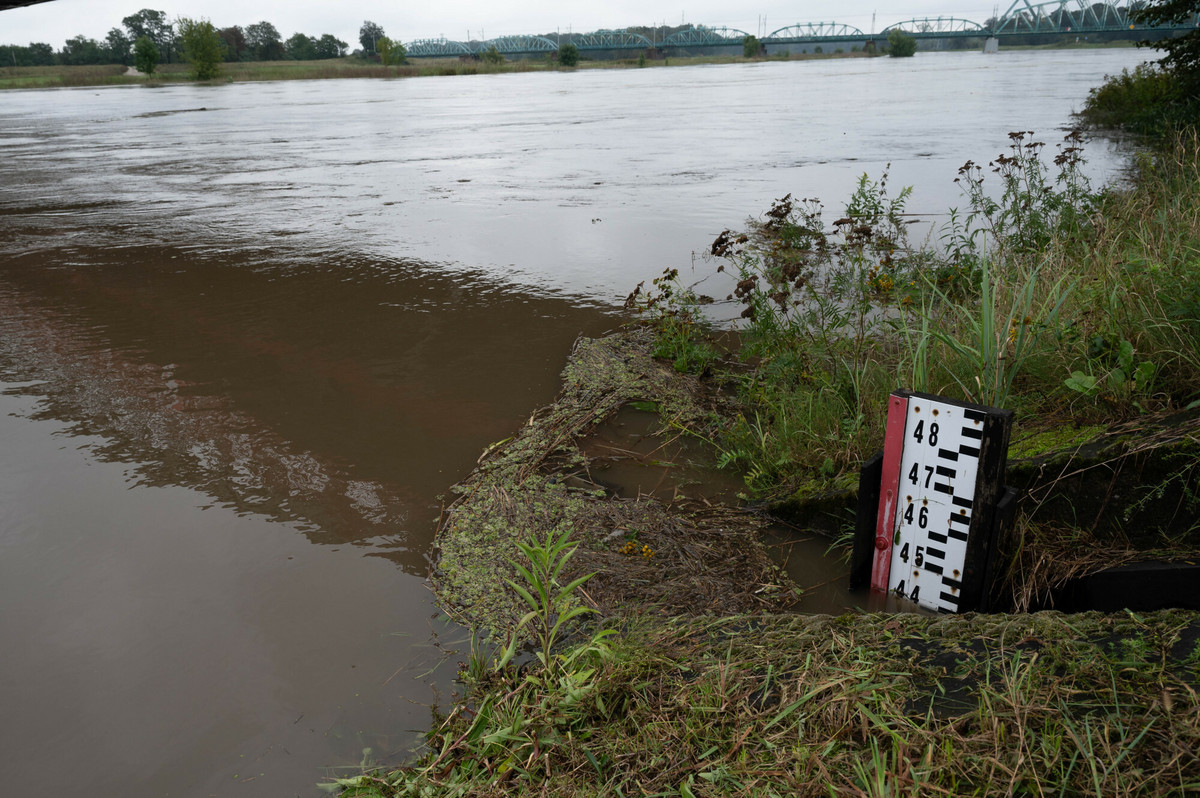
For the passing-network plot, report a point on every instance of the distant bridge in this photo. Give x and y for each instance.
(1023, 18)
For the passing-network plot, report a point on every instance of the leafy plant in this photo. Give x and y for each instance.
(553, 606)
(1126, 377)
(390, 52)
(518, 722)
(1034, 206)
(568, 55)
(145, 55)
(201, 47)
(676, 312)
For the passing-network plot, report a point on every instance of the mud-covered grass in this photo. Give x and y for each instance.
(677, 557)
(763, 705)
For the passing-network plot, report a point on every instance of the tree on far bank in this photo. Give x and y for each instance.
(233, 41)
(751, 47)
(301, 47)
(368, 35)
(330, 46)
(568, 55)
(390, 52)
(1182, 57)
(901, 45)
(33, 55)
(119, 46)
(40, 54)
(263, 41)
(145, 55)
(154, 24)
(201, 47)
(80, 50)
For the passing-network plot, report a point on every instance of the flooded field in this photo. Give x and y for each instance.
(250, 335)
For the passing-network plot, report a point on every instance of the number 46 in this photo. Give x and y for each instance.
(922, 517)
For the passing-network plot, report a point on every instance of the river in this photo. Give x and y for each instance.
(250, 335)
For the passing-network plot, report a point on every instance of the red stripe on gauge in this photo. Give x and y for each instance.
(889, 491)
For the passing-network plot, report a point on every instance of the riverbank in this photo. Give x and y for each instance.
(857, 705)
(46, 77)
(1078, 309)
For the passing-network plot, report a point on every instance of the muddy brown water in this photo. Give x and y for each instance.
(251, 334)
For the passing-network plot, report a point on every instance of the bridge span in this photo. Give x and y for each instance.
(1023, 18)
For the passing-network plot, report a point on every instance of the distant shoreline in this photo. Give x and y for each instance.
(50, 77)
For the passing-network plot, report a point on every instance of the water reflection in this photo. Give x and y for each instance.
(343, 399)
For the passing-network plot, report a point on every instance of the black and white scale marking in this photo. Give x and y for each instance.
(938, 467)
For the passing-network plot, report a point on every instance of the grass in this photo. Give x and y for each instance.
(57, 76)
(861, 705)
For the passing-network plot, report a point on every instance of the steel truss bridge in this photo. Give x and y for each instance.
(1023, 18)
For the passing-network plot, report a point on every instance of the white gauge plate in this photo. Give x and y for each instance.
(938, 467)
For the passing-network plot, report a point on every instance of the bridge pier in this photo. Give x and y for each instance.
(992, 45)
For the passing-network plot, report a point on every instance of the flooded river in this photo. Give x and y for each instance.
(251, 334)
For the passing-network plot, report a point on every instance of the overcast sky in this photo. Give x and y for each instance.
(57, 21)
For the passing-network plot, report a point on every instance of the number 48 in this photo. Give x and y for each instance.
(919, 432)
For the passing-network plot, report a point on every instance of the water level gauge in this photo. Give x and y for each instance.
(938, 508)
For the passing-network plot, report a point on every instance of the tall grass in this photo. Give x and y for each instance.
(326, 69)
(53, 77)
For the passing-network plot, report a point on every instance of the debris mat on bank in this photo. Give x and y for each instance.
(678, 557)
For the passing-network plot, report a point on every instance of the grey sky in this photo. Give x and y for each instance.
(57, 21)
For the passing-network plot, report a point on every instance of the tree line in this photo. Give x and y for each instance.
(151, 33)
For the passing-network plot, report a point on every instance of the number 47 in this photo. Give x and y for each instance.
(914, 476)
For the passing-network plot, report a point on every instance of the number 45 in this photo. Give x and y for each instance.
(919, 558)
